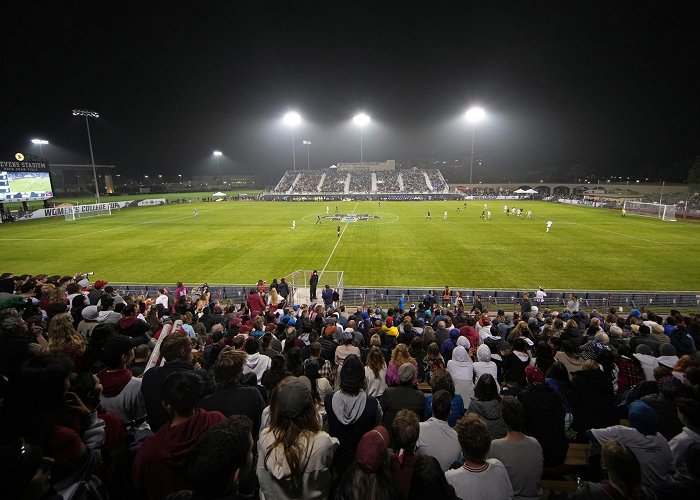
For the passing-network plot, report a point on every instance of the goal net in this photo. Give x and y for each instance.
(663, 212)
(300, 288)
(82, 211)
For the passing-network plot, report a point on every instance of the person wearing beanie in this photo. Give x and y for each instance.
(667, 356)
(643, 439)
(644, 338)
(368, 476)
(350, 412)
(295, 456)
(402, 396)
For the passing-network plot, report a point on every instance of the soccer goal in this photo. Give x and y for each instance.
(82, 211)
(663, 212)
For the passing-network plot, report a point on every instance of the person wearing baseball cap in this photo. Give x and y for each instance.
(294, 455)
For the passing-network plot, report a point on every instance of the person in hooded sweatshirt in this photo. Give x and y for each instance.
(351, 412)
(161, 464)
(483, 364)
(121, 393)
(295, 457)
(133, 327)
(255, 362)
(668, 356)
(449, 345)
(461, 368)
(514, 363)
(645, 355)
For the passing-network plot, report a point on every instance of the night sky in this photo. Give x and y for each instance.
(570, 87)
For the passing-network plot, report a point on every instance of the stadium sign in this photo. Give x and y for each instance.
(95, 207)
(350, 217)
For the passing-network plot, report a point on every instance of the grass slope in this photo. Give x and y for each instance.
(240, 242)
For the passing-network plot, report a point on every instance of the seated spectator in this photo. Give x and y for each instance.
(161, 464)
(436, 437)
(643, 439)
(443, 381)
(645, 355)
(643, 337)
(667, 356)
(624, 476)
(544, 417)
(433, 361)
(514, 363)
(689, 414)
(399, 356)
(429, 480)
(405, 431)
(593, 399)
(664, 404)
(569, 357)
(142, 353)
(255, 362)
(133, 327)
(177, 351)
(121, 393)
(375, 372)
(294, 455)
(480, 477)
(18, 342)
(402, 396)
(484, 364)
(26, 471)
(230, 397)
(319, 385)
(487, 405)
(368, 476)
(630, 372)
(461, 369)
(351, 412)
(521, 454)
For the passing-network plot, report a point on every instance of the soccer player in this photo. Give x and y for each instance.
(512, 210)
(294, 224)
(318, 219)
(549, 225)
(505, 209)
(624, 212)
(444, 215)
(520, 212)
(338, 228)
(488, 214)
(483, 214)
(328, 209)
(486, 206)
(427, 217)
(529, 214)
(196, 212)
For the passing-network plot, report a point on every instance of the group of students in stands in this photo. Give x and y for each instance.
(255, 401)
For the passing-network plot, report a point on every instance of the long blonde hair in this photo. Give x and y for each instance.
(63, 336)
(400, 355)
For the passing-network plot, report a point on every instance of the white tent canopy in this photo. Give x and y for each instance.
(219, 193)
(520, 191)
(531, 191)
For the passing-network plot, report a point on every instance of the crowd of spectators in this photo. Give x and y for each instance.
(388, 181)
(437, 181)
(334, 181)
(286, 181)
(105, 395)
(360, 182)
(307, 182)
(414, 180)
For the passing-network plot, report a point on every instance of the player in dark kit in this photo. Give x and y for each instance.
(338, 230)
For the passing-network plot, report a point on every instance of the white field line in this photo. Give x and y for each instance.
(611, 232)
(336, 245)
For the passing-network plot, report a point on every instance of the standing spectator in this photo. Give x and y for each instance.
(402, 396)
(231, 397)
(327, 297)
(525, 304)
(375, 372)
(121, 392)
(177, 351)
(161, 464)
(540, 294)
(482, 478)
(487, 405)
(521, 454)
(294, 455)
(351, 412)
(283, 289)
(254, 302)
(313, 284)
(162, 299)
(436, 437)
(180, 291)
(95, 294)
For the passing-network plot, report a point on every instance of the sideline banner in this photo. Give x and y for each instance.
(113, 205)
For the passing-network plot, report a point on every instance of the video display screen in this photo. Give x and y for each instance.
(24, 182)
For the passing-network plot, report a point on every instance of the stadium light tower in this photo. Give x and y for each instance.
(308, 153)
(292, 119)
(40, 142)
(218, 155)
(361, 120)
(473, 116)
(90, 114)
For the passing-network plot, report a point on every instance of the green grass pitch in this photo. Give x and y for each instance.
(241, 242)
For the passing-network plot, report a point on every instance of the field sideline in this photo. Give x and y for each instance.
(241, 242)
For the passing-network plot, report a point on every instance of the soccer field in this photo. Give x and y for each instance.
(241, 242)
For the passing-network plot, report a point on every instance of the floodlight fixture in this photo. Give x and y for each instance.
(40, 141)
(90, 114)
(361, 119)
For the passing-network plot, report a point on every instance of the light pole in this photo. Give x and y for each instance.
(218, 155)
(308, 154)
(292, 119)
(361, 120)
(40, 142)
(473, 115)
(90, 114)
(663, 183)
